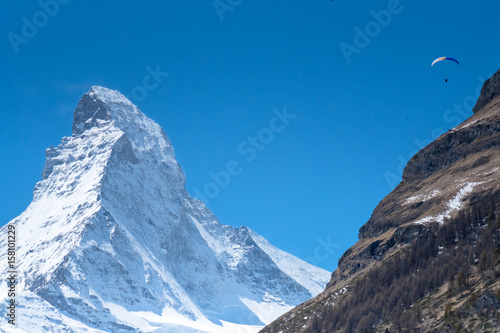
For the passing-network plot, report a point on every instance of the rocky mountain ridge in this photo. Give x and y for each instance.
(450, 192)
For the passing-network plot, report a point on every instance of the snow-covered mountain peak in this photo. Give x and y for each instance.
(108, 96)
(101, 107)
(106, 119)
(113, 241)
(95, 108)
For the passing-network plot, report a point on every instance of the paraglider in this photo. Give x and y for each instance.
(444, 58)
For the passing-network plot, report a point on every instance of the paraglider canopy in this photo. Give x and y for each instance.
(444, 58)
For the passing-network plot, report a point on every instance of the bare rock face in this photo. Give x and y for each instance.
(460, 142)
(452, 147)
(490, 90)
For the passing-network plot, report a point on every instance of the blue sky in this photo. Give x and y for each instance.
(313, 182)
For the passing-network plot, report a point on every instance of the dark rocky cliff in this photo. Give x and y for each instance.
(490, 90)
(449, 193)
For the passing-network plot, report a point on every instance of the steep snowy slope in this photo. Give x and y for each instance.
(113, 242)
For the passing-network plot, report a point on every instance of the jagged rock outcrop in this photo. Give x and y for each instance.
(489, 91)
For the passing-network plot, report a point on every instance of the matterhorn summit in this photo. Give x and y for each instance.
(112, 241)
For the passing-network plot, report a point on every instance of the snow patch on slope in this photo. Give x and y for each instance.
(311, 277)
(421, 197)
(171, 321)
(269, 310)
(453, 205)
